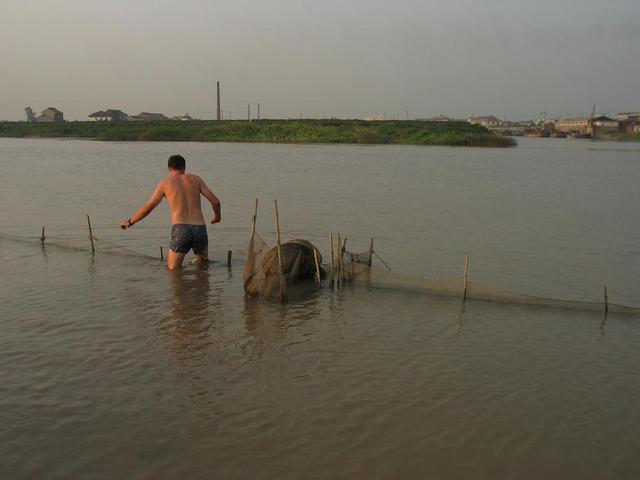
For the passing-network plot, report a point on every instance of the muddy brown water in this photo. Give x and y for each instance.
(113, 367)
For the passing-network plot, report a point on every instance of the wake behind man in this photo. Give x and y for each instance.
(189, 231)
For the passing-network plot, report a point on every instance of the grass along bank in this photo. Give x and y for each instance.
(268, 131)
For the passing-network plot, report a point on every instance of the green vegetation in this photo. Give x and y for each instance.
(632, 137)
(268, 131)
(620, 137)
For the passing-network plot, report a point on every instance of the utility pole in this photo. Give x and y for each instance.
(219, 111)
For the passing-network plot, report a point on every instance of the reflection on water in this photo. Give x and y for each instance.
(191, 314)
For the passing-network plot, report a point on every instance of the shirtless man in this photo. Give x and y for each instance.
(189, 230)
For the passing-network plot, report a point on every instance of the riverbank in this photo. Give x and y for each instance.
(619, 137)
(268, 131)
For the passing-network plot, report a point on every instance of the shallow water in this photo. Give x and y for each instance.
(114, 367)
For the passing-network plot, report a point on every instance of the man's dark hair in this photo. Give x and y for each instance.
(176, 162)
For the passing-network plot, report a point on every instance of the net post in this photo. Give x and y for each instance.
(380, 258)
(42, 237)
(250, 256)
(229, 253)
(332, 260)
(315, 261)
(283, 284)
(340, 272)
(606, 301)
(161, 254)
(466, 277)
(370, 252)
(93, 247)
(342, 250)
(253, 220)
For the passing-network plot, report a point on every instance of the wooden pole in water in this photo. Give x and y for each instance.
(42, 237)
(253, 231)
(380, 258)
(283, 283)
(253, 220)
(93, 248)
(229, 253)
(315, 261)
(332, 261)
(606, 301)
(342, 250)
(370, 252)
(342, 260)
(466, 277)
(161, 254)
(339, 259)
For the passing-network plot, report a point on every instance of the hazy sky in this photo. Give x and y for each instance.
(345, 58)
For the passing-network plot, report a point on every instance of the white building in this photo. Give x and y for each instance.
(487, 121)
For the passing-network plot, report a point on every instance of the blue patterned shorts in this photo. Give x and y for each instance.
(185, 237)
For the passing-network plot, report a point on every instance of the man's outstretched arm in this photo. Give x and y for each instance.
(146, 209)
(215, 202)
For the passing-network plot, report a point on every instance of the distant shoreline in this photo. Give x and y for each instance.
(268, 131)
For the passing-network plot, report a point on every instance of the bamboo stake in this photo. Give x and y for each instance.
(315, 260)
(342, 251)
(606, 301)
(283, 284)
(250, 250)
(380, 258)
(229, 253)
(339, 259)
(466, 277)
(93, 248)
(342, 261)
(332, 261)
(253, 220)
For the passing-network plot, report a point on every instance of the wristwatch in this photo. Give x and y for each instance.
(130, 223)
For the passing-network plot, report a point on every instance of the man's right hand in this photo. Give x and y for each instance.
(216, 218)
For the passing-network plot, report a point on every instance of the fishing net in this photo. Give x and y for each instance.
(301, 261)
(80, 243)
(358, 269)
(262, 271)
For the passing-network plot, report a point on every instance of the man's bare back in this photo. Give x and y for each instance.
(183, 192)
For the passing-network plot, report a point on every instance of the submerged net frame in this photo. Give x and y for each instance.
(269, 270)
